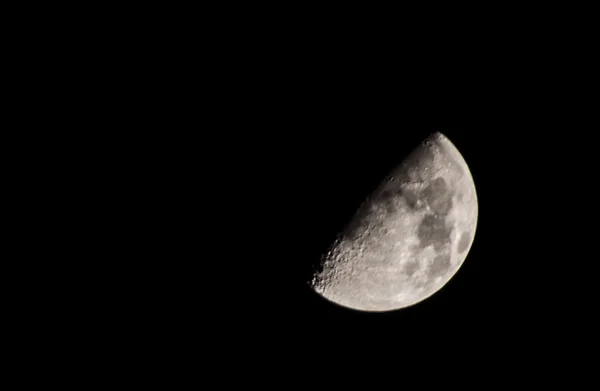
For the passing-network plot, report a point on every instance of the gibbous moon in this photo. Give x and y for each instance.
(408, 238)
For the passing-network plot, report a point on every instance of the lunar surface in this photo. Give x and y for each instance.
(408, 238)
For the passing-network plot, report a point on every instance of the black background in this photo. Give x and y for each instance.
(523, 288)
(188, 174)
(293, 153)
(239, 160)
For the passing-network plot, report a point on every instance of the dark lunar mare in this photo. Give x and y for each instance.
(440, 265)
(464, 241)
(438, 196)
(434, 230)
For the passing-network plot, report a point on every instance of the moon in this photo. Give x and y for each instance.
(408, 238)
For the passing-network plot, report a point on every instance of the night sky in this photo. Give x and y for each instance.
(227, 151)
(291, 155)
(521, 282)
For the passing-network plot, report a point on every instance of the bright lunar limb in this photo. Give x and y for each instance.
(408, 238)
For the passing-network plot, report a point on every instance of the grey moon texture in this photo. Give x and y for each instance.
(409, 237)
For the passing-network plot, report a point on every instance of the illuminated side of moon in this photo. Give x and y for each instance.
(409, 238)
